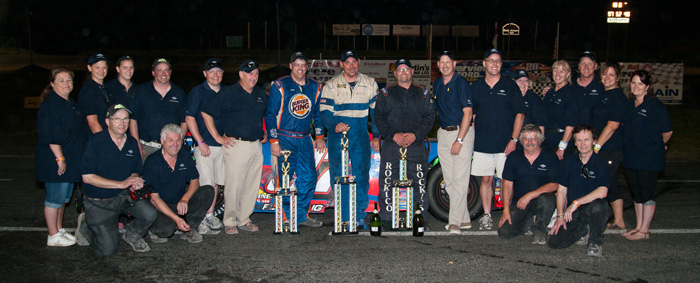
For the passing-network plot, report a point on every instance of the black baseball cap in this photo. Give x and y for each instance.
(124, 58)
(520, 74)
(248, 66)
(349, 53)
(213, 63)
(160, 60)
(589, 54)
(115, 108)
(492, 51)
(448, 54)
(403, 61)
(298, 55)
(97, 57)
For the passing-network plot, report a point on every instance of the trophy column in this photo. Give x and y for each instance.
(289, 225)
(349, 227)
(403, 183)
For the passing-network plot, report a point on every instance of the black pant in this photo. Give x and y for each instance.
(613, 158)
(417, 170)
(589, 218)
(541, 207)
(642, 184)
(197, 207)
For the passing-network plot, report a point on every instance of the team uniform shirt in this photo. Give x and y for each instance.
(60, 122)
(241, 113)
(571, 176)
(292, 108)
(118, 91)
(153, 111)
(586, 97)
(534, 109)
(199, 96)
(610, 107)
(644, 147)
(103, 158)
(170, 184)
(495, 110)
(560, 111)
(528, 177)
(94, 100)
(451, 99)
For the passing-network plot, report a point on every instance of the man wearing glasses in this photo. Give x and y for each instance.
(582, 211)
(404, 115)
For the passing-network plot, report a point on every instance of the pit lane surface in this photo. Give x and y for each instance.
(672, 253)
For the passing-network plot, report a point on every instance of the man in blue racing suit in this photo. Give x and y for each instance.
(292, 107)
(345, 102)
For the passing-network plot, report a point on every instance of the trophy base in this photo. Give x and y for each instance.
(285, 233)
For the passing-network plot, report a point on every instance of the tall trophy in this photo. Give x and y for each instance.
(349, 227)
(403, 183)
(288, 225)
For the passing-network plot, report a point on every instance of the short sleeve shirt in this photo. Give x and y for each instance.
(118, 91)
(94, 100)
(198, 97)
(572, 177)
(643, 143)
(103, 158)
(495, 110)
(528, 177)
(153, 111)
(451, 99)
(170, 184)
(241, 113)
(586, 97)
(611, 106)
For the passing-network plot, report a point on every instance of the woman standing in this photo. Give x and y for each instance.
(94, 98)
(606, 115)
(62, 132)
(647, 128)
(560, 110)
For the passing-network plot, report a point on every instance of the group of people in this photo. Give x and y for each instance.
(124, 143)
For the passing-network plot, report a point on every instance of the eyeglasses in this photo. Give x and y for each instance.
(585, 172)
(404, 70)
(120, 120)
(494, 61)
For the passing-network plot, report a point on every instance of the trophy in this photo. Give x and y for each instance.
(289, 225)
(403, 183)
(350, 226)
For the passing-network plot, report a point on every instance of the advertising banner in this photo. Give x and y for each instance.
(668, 79)
(382, 30)
(351, 29)
(381, 70)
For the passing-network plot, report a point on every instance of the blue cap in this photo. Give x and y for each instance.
(403, 61)
(248, 66)
(589, 54)
(521, 74)
(448, 54)
(492, 51)
(349, 53)
(213, 63)
(97, 57)
(298, 55)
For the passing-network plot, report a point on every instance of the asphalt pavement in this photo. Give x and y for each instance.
(671, 254)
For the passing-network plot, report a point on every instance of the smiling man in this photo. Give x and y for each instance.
(587, 87)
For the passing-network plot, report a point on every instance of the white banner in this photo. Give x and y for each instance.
(383, 30)
(352, 29)
(381, 70)
(406, 30)
(668, 79)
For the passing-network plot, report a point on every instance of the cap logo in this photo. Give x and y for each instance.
(162, 60)
(251, 64)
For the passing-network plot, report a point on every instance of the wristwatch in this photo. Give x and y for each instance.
(515, 140)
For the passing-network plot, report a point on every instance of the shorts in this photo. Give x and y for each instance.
(211, 168)
(58, 194)
(486, 164)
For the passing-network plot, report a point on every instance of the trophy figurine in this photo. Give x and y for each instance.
(403, 183)
(289, 225)
(350, 226)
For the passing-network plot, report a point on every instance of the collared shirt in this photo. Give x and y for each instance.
(528, 177)
(495, 110)
(401, 110)
(611, 106)
(170, 184)
(348, 103)
(586, 97)
(560, 108)
(103, 158)
(643, 142)
(534, 110)
(241, 113)
(572, 177)
(94, 100)
(153, 111)
(451, 99)
(292, 108)
(119, 92)
(198, 97)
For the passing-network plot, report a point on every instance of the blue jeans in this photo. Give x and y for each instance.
(542, 207)
(589, 218)
(58, 194)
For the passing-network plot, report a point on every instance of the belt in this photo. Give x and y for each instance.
(151, 143)
(242, 139)
(97, 199)
(553, 131)
(450, 128)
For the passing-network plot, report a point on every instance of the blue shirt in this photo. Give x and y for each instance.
(495, 110)
(153, 111)
(611, 106)
(560, 108)
(643, 143)
(198, 97)
(241, 113)
(170, 184)
(528, 177)
(586, 97)
(451, 99)
(94, 100)
(60, 122)
(571, 176)
(103, 158)
(534, 109)
(118, 91)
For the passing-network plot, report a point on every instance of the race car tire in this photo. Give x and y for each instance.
(440, 200)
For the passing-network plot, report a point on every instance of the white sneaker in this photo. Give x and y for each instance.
(213, 222)
(485, 223)
(66, 235)
(205, 230)
(57, 240)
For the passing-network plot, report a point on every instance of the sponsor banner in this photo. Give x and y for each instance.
(351, 29)
(381, 70)
(668, 79)
(472, 70)
(383, 30)
(406, 30)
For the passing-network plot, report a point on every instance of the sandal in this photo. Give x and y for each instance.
(639, 235)
(250, 227)
(231, 230)
(629, 232)
(615, 226)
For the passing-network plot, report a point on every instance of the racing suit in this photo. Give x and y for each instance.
(401, 110)
(346, 103)
(291, 109)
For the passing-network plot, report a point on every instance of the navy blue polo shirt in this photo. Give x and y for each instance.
(241, 113)
(198, 97)
(560, 108)
(60, 122)
(170, 184)
(528, 177)
(495, 109)
(533, 108)
(153, 111)
(119, 92)
(451, 99)
(586, 97)
(94, 100)
(571, 176)
(103, 158)
(611, 106)
(643, 143)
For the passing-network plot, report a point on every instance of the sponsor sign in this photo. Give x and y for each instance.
(382, 30)
(668, 79)
(351, 29)
(381, 70)
(406, 30)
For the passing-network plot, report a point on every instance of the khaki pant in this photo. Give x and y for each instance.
(456, 170)
(243, 163)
